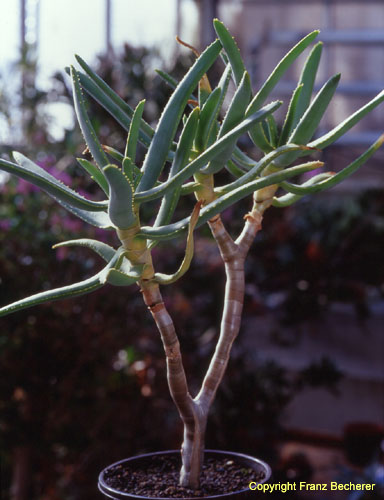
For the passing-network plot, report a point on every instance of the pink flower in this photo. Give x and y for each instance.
(25, 187)
(5, 225)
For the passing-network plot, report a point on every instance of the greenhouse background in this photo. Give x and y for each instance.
(79, 388)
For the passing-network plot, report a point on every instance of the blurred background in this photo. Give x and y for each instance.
(82, 383)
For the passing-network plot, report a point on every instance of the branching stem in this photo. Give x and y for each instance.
(233, 255)
(194, 412)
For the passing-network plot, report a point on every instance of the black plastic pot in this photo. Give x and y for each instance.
(142, 460)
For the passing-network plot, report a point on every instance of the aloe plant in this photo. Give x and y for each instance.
(187, 164)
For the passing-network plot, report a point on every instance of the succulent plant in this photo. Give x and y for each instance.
(187, 166)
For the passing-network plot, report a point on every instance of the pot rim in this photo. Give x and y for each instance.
(113, 493)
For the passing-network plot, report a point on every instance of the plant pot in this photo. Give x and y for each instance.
(142, 461)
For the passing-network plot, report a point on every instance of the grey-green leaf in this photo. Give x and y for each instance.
(28, 170)
(110, 97)
(172, 230)
(233, 117)
(337, 132)
(279, 71)
(311, 119)
(85, 123)
(105, 251)
(134, 130)
(96, 174)
(208, 116)
(336, 178)
(231, 49)
(116, 277)
(170, 199)
(307, 79)
(169, 121)
(209, 154)
(65, 292)
(120, 209)
(97, 219)
(289, 122)
(261, 165)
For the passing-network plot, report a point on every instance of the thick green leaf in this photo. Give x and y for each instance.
(29, 171)
(307, 79)
(171, 198)
(105, 251)
(116, 277)
(87, 129)
(170, 118)
(81, 288)
(223, 86)
(234, 169)
(189, 188)
(334, 179)
(231, 49)
(288, 199)
(117, 111)
(289, 121)
(273, 134)
(173, 83)
(97, 219)
(96, 174)
(233, 117)
(307, 186)
(209, 154)
(261, 165)
(65, 292)
(311, 119)
(147, 130)
(114, 153)
(259, 139)
(185, 144)
(243, 159)
(208, 116)
(224, 81)
(120, 209)
(279, 71)
(134, 130)
(172, 230)
(133, 172)
(238, 105)
(332, 136)
(122, 274)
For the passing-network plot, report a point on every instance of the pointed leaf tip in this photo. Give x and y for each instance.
(85, 123)
(28, 170)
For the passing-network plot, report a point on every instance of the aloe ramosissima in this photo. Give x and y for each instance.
(205, 146)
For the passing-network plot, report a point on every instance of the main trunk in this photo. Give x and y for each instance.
(194, 412)
(192, 453)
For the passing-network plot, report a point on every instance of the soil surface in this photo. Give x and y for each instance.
(160, 477)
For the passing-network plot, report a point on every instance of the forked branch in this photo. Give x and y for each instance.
(233, 255)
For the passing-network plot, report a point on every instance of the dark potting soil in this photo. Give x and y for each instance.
(160, 477)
